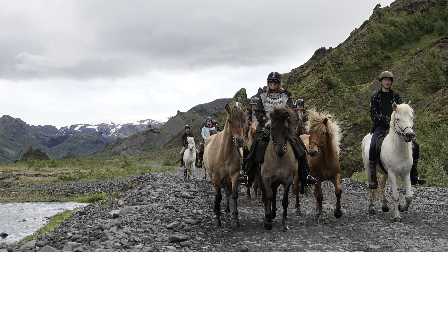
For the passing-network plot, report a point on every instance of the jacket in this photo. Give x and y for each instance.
(267, 102)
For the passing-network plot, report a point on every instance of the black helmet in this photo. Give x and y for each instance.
(386, 74)
(254, 100)
(214, 122)
(275, 75)
(187, 126)
(300, 102)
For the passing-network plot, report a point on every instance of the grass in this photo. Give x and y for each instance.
(52, 224)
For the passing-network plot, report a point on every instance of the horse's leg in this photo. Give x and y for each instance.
(217, 207)
(257, 190)
(285, 203)
(396, 196)
(228, 187)
(407, 187)
(296, 193)
(234, 186)
(269, 195)
(248, 192)
(338, 192)
(274, 202)
(319, 199)
(385, 206)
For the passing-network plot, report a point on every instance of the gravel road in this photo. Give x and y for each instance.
(165, 213)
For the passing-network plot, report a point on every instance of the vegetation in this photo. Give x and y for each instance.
(52, 224)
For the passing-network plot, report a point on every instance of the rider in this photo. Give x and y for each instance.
(270, 97)
(185, 144)
(205, 135)
(215, 126)
(302, 114)
(380, 113)
(251, 117)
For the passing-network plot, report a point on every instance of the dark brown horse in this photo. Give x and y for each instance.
(322, 146)
(250, 140)
(279, 166)
(223, 159)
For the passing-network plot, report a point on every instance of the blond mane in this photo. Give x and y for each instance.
(315, 123)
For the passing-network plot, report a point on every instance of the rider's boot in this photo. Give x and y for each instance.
(304, 172)
(415, 179)
(243, 177)
(373, 184)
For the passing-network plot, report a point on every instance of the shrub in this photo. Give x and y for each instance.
(434, 65)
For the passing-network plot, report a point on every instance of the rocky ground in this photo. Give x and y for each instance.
(165, 213)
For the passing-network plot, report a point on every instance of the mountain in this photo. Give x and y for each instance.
(16, 137)
(110, 131)
(167, 136)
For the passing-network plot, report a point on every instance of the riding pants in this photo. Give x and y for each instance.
(380, 129)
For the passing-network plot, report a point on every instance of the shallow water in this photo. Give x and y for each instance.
(19, 220)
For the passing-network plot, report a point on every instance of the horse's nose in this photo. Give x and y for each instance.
(409, 136)
(239, 142)
(312, 153)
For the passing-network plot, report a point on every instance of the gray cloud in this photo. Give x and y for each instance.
(80, 39)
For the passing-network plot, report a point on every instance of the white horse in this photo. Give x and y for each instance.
(190, 157)
(396, 156)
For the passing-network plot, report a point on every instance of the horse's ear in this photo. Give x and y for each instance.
(325, 121)
(409, 103)
(227, 108)
(394, 106)
(245, 109)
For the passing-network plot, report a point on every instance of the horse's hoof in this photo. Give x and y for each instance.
(268, 225)
(217, 222)
(397, 219)
(285, 228)
(338, 213)
(321, 220)
(235, 223)
(274, 213)
(298, 212)
(227, 211)
(372, 212)
(385, 209)
(402, 208)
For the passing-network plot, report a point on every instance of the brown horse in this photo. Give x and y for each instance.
(322, 145)
(223, 158)
(279, 166)
(250, 140)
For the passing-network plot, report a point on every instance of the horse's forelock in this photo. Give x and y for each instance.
(315, 123)
(280, 115)
(237, 113)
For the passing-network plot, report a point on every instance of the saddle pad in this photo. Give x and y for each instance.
(379, 142)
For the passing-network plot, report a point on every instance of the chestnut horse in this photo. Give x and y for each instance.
(322, 147)
(279, 166)
(223, 159)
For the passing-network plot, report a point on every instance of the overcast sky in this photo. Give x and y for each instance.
(91, 61)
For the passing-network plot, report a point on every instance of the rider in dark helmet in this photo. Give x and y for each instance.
(185, 143)
(215, 126)
(380, 113)
(270, 97)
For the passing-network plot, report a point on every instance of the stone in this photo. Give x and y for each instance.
(3, 250)
(41, 243)
(147, 239)
(48, 248)
(374, 247)
(70, 246)
(244, 248)
(177, 238)
(172, 225)
(10, 249)
(3, 235)
(30, 245)
(79, 249)
(185, 244)
(114, 213)
(126, 210)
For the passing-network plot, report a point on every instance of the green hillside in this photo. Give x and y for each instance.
(408, 39)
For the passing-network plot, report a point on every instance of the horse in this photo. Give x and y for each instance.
(279, 165)
(250, 140)
(322, 153)
(190, 158)
(396, 156)
(223, 158)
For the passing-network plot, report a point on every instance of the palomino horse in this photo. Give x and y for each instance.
(396, 156)
(322, 145)
(190, 157)
(223, 158)
(250, 140)
(279, 166)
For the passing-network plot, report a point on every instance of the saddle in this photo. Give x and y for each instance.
(379, 142)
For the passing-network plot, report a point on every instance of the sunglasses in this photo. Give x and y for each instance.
(276, 81)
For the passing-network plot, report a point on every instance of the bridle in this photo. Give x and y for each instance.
(234, 140)
(402, 131)
(319, 147)
(275, 146)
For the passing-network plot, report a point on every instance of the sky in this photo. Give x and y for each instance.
(92, 61)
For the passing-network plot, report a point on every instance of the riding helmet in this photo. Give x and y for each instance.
(300, 102)
(386, 74)
(187, 126)
(275, 75)
(208, 118)
(254, 100)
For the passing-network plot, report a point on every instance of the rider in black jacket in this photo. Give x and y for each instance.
(380, 113)
(184, 140)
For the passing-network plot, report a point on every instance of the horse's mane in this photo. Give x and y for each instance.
(315, 122)
(237, 114)
(281, 114)
(190, 140)
(251, 134)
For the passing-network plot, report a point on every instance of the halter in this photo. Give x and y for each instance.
(236, 145)
(275, 149)
(402, 131)
(319, 147)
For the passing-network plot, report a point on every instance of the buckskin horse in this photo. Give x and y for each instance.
(396, 158)
(322, 148)
(279, 165)
(223, 158)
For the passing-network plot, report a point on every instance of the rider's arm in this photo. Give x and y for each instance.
(204, 133)
(261, 114)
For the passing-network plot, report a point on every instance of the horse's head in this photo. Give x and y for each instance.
(236, 123)
(282, 129)
(318, 134)
(251, 133)
(402, 121)
(191, 144)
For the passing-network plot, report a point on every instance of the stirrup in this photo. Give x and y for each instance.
(417, 180)
(310, 180)
(373, 184)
